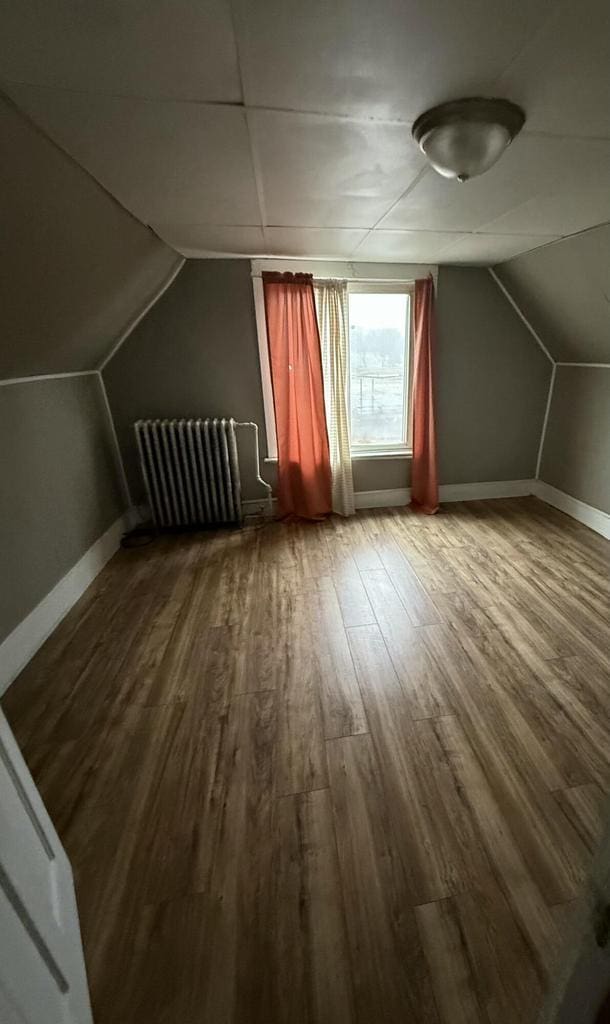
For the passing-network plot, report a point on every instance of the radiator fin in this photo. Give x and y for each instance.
(191, 471)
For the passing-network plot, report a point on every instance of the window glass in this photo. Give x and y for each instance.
(378, 338)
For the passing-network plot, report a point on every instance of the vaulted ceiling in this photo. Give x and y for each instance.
(273, 128)
(75, 268)
(564, 291)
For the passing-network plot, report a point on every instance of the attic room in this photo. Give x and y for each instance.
(305, 512)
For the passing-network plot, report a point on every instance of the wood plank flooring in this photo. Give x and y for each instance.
(342, 773)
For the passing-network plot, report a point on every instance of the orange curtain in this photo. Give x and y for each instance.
(304, 475)
(424, 477)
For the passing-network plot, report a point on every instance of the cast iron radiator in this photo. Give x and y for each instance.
(191, 471)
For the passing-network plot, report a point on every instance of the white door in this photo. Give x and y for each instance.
(42, 970)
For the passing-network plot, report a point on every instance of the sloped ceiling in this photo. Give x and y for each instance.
(277, 128)
(564, 291)
(75, 267)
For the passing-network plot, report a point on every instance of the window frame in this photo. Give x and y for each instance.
(265, 367)
(348, 272)
(404, 448)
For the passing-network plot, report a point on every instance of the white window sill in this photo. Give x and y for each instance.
(396, 453)
(404, 453)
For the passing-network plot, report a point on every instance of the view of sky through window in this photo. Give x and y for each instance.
(378, 352)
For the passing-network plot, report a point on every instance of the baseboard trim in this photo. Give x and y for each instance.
(382, 499)
(447, 493)
(22, 644)
(590, 516)
(259, 507)
(486, 489)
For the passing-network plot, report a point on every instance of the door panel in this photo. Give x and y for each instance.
(42, 971)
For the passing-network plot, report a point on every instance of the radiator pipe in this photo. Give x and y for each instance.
(259, 479)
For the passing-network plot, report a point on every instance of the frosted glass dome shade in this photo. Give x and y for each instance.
(464, 138)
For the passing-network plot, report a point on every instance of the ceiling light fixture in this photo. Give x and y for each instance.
(464, 138)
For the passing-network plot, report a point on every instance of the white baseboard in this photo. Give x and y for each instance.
(592, 517)
(402, 495)
(258, 507)
(137, 515)
(29, 635)
(486, 489)
(382, 499)
(21, 645)
(447, 493)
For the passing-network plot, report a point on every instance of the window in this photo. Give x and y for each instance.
(379, 368)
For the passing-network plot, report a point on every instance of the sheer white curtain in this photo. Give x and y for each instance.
(331, 302)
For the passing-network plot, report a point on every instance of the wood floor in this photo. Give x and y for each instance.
(331, 773)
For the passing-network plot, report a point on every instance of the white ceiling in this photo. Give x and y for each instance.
(261, 127)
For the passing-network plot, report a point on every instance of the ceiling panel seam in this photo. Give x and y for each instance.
(133, 323)
(118, 456)
(31, 379)
(481, 232)
(531, 39)
(542, 346)
(412, 184)
(254, 156)
(360, 118)
(257, 172)
(553, 241)
(547, 413)
(49, 138)
(522, 316)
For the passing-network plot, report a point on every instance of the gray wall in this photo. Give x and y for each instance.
(576, 455)
(492, 382)
(564, 291)
(74, 265)
(75, 268)
(381, 474)
(58, 486)
(196, 353)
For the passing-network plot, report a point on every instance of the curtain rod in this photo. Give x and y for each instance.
(340, 277)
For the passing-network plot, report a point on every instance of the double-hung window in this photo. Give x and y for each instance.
(379, 368)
